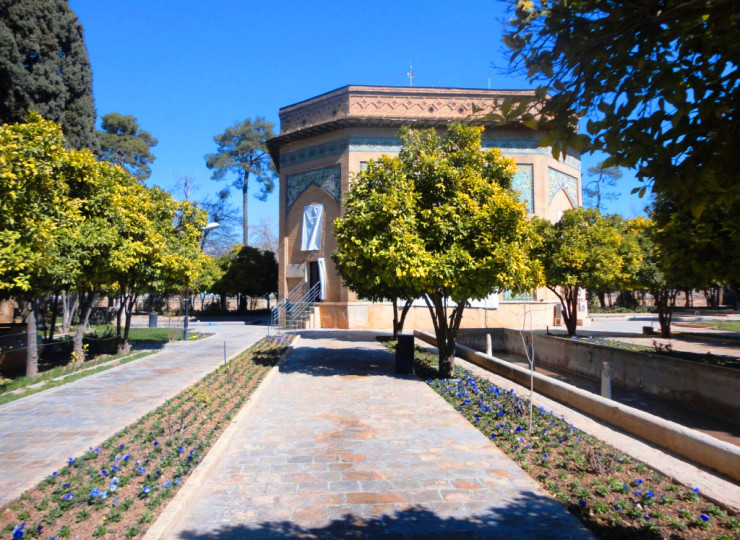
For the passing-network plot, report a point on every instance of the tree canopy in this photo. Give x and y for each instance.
(584, 251)
(249, 272)
(658, 81)
(123, 143)
(457, 231)
(242, 151)
(44, 67)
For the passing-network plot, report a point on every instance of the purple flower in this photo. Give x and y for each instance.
(120, 447)
(704, 517)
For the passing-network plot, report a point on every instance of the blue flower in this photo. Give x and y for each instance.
(17, 534)
(54, 474)
(126, 457)
(493, 435)
(637, 492)
(146, 489)
(103, 495)
(181, 449)
(638, 481)
(70, 461)
(178, 480)
(617, 507)
(115, 501)
(113, 487)
(120, 447)
(582, 503)
(140, 470)
(115, 480)
(104, 473)
(647, 517)
(696, 490)
(67, 497)
(518, 429)
(156, 443)
(97, 450)
(167, 484)
(704, 517)
(94, 493)
(650, 494)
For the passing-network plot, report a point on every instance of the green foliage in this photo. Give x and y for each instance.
(439, 221)
(242, 151)
(123, 143)
(35, 211)
(248, 271)
(585, 251)
(658, 79)
(44, 67)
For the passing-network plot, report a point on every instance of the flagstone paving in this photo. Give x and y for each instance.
(337, 445)
(38, 433)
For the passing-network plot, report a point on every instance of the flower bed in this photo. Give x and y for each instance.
(613, 494)
(117, 489)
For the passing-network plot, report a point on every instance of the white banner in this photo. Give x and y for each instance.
(311, 234)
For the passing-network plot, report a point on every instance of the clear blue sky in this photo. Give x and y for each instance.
(187, 70)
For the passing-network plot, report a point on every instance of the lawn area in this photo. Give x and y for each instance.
(723, 326)
(160, 335)
(118, 488)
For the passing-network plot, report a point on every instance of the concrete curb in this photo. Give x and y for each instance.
(697, 446)
(173, 512)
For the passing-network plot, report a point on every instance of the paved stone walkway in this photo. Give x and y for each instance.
(38, 433)
(337, 446)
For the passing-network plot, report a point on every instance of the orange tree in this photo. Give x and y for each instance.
(440, 221)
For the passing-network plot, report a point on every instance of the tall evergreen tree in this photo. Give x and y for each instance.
(242, 151)
(44, 67)
(123, 143)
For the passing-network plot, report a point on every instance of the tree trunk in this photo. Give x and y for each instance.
(687, 302)
(569, 302)
(602, 299)
(124, 346)
(665, 300)
(245, 223)
(53, 325)
(32, 352)
(86, 309)
(445, 332)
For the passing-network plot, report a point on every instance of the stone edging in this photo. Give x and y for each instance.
(176, 508)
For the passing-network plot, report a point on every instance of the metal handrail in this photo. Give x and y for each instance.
(293, 310)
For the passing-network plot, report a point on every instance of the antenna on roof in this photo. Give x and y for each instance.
(490, 68)
(411, 74)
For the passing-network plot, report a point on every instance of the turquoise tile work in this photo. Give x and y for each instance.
(523, 183)
(558, 180)
(328, 179)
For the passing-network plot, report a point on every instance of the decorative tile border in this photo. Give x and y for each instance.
(392, 145)
(558, 180)
(511, 297)
(524, 183)
(328, 179)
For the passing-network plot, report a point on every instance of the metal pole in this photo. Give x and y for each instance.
(187, 314)
(224, 353)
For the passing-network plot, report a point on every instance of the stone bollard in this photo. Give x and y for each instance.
(606, 381)
(489, 347)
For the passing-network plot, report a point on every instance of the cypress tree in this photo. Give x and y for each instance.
(44, 67)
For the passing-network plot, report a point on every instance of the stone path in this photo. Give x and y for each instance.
(38, 433)
(337, 445)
